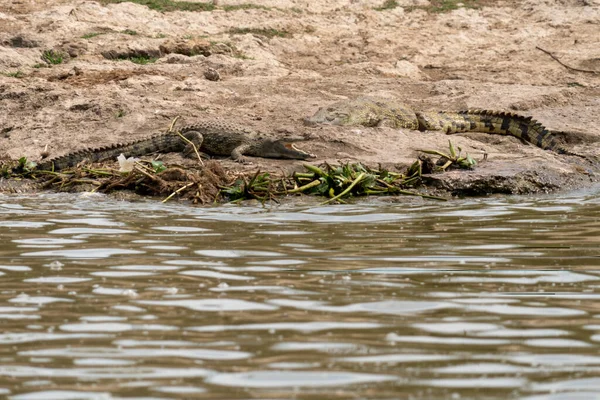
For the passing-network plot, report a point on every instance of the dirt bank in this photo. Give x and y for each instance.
(75, 74)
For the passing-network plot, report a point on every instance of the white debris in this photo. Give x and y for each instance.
(126, 164)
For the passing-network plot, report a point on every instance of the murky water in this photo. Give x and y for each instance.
(487, 298)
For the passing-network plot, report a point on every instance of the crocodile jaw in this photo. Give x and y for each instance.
(283, 148)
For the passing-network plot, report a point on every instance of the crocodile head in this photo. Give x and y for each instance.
(283, 148)
(331, 115)
(363, 111)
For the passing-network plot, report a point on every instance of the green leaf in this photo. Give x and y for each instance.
(471, 160)
(452, 151)
(158, 166)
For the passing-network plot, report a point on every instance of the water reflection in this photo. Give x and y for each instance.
(478, 298)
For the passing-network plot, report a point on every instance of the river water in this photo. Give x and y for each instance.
(495, 298)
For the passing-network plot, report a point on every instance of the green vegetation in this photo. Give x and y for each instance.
(442, 6)
(241, 56)
(453, 159)
(53, 57)
(168, 5)
(267, 32)
(120, 114)
(387, 5)
(438, 6)
(129, 32)
(141, 59)
(209, 182)
(5, 171)
(158, 166)
(24, 166)
(173, 5)
(16, 74)
(349, 180)
(257, 187)
(91, 35)
(335, 182)
(245, 6)
(39, 65)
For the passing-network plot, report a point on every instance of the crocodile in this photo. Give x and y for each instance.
(371, 111)
(216, 137)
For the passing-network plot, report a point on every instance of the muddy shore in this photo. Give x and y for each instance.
(76, 74)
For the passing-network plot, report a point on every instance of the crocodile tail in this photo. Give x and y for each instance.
(91, 154)
(525, 128)
(495, 122)
(66, 161)
(134, 148)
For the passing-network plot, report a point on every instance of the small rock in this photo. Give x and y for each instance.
(20, 41)
(407, 69)
(191, 47)
(212, 74)
(74, 48)
(176, 59)
(5, 132)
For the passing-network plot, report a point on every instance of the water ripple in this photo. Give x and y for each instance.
(275, 379)
(478, 298)
(210, 304)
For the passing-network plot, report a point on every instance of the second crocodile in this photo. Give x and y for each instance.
(215, 137)
(371, 111)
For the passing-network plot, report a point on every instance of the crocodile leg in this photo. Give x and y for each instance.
(237, 154)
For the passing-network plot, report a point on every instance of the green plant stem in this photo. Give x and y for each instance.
(435, 153)
(301, 175)
(99, 172)
(301, 189)
(315, 170)
(348, 189)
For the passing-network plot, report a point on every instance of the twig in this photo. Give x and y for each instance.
(83, 181)
(185, 139)
(173, 124)
(178, 190)
(140, 168)
(189, 142)
(565, 65)
(44, 172)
